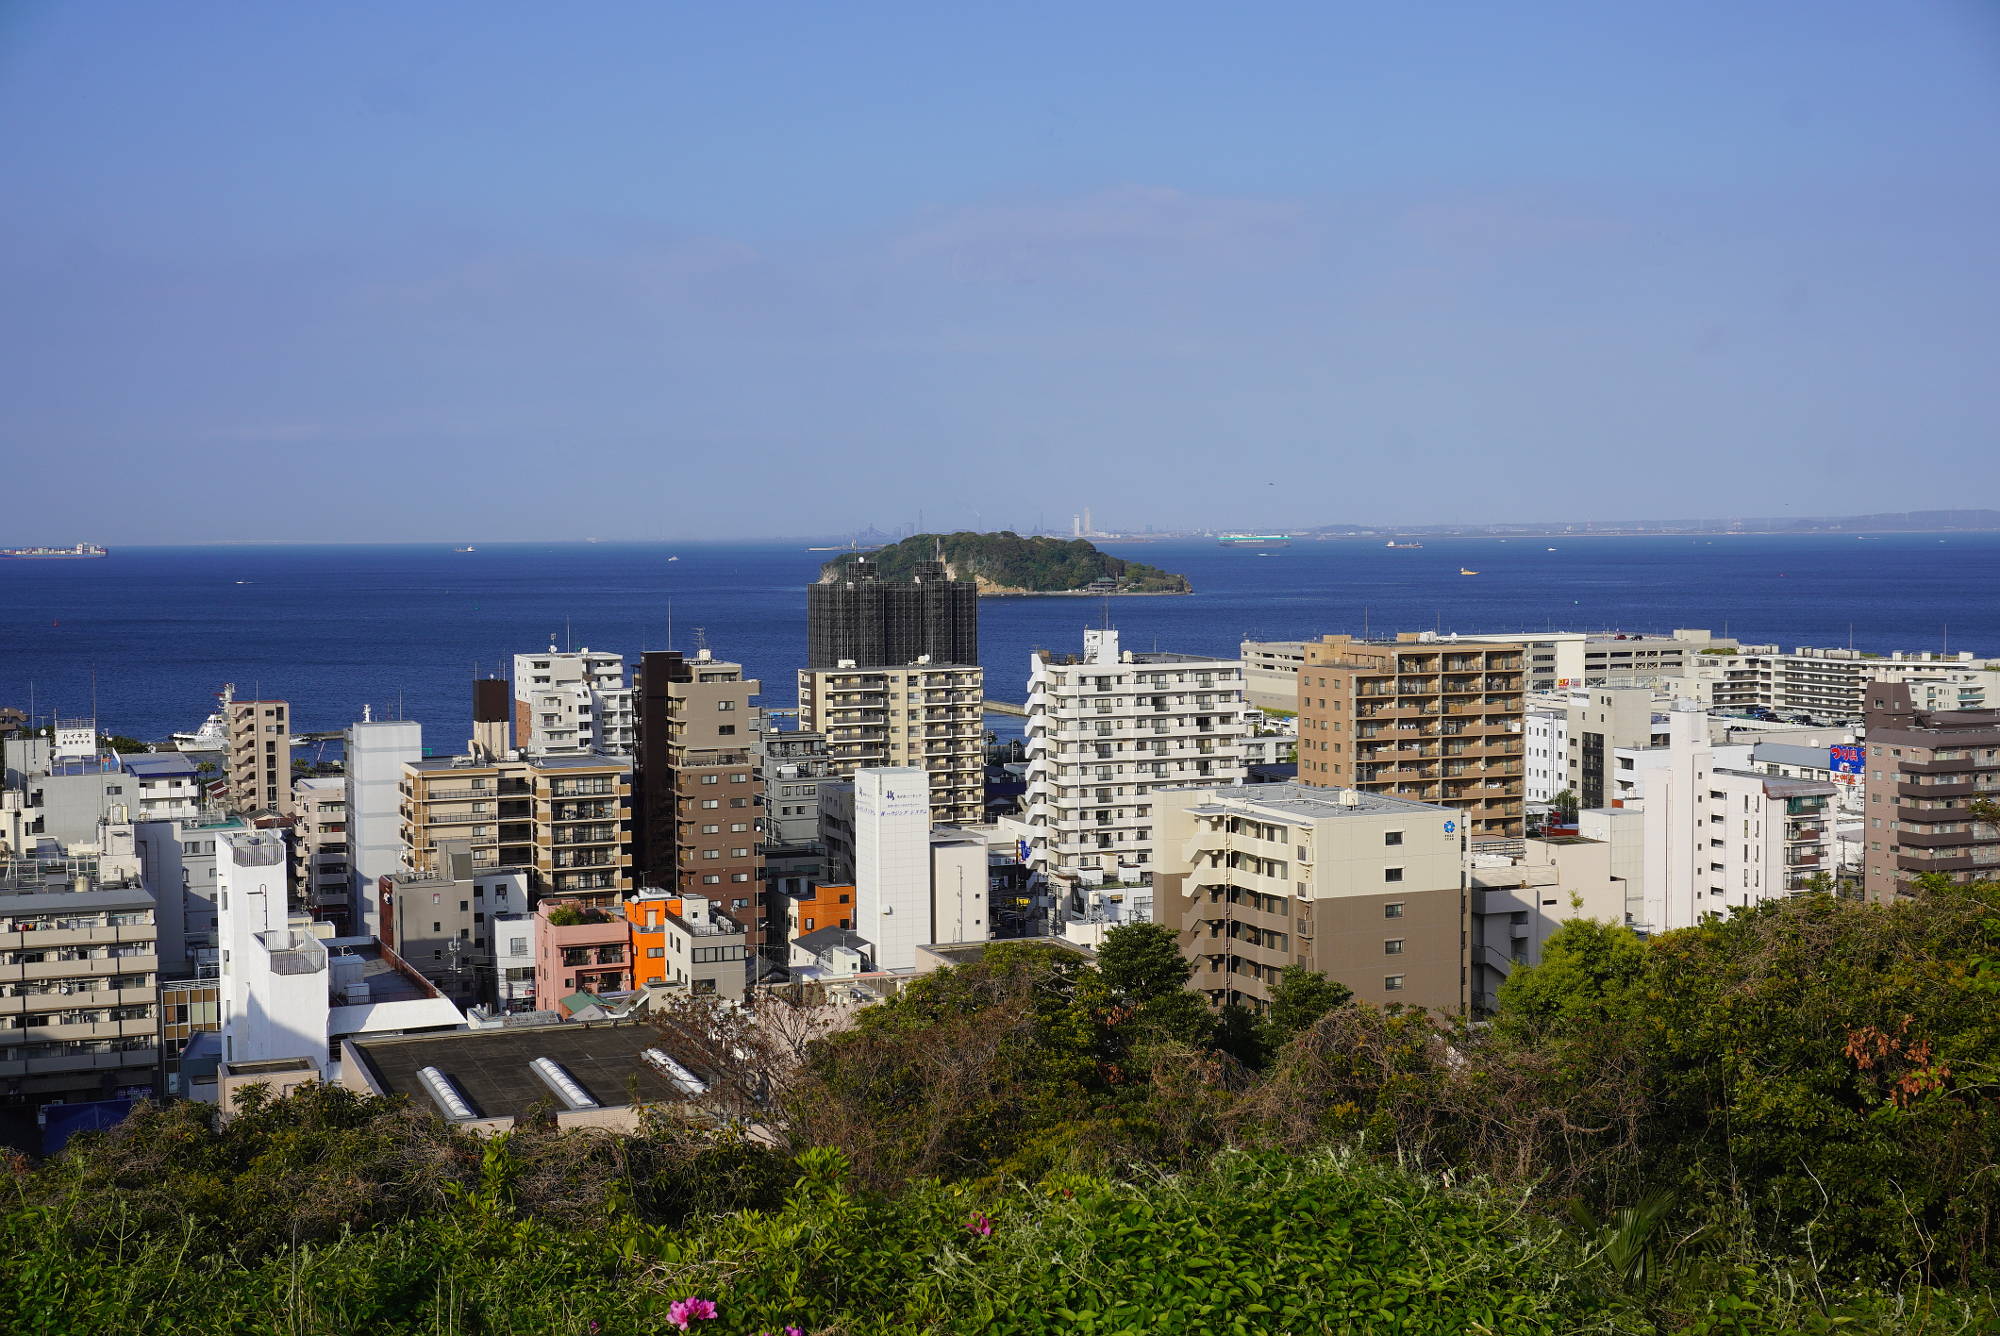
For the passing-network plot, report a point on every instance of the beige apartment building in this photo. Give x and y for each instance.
(566, 819)
(79, 972)
(1924, 770)
(1424, 720)
(260, 754)
(921, 716)
(1364, 888)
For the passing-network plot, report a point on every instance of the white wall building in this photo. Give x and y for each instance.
(290, 991)
(1720, 837)
(1545, 770)
(914, 885)
(1106, 731)
(376, 755)
(569, 702)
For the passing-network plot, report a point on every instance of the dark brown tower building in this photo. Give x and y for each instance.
(1925, 770)
(698, 794)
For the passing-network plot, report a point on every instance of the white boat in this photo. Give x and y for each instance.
(213, 735)
(467, 548)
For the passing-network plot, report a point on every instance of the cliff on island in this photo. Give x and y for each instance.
(1006, 563)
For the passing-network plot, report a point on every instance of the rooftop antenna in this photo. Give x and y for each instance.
(670, 623)
(569, 644)
(700, 639)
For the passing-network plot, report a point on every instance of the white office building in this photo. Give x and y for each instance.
(1106, 731)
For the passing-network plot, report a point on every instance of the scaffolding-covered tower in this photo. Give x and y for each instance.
(857, 619)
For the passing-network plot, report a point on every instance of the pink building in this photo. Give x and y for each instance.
(580, 948)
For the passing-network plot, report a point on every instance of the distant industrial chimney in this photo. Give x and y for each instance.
(490, 710)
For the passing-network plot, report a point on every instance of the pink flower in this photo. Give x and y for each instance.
(683, 1311)
(981, 1225)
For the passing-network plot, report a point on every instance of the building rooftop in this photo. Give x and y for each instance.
(19, 898)
(829, 939)
(434, 764)
(1311, 803)
(491, 1066)
(1787, 753)
(1779, 786)
(161, 765)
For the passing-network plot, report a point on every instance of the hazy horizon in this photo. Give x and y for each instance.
(509, 273)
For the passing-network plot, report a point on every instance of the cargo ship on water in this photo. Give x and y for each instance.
(1253, 540)
(56, 553)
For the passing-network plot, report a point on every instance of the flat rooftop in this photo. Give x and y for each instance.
(433, 764)
(1309, 803)
(491, 1066)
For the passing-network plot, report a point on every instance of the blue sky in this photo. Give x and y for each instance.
(686, 271)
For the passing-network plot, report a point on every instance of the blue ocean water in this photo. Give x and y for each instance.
(155, 632)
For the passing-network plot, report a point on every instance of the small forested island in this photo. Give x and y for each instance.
(1007, 563)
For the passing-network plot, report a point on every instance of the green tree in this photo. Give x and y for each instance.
(1142, 961)
(1587, 973)
(1297, 1003)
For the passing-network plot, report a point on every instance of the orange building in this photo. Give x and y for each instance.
(647, 912)
(829, 906)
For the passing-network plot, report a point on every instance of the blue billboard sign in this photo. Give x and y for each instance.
(1847, 758)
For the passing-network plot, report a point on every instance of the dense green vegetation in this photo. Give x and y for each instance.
(1785, 1121)
(1009, 561)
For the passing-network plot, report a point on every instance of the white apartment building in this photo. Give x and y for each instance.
(1545, 753)
(79, 972)
(1829, 683)
(1719, 837)
(929, 716)
(319, 846)
(1106, 731)
(568, 702)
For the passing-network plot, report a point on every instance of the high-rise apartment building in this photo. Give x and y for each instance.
(566, 820)
(1366, 889)
(79, 966)
(1106, 732)
(927, 716)
(569, 702)
(857, 619)
(1924, 770)
(1436, 722)
(260, 754)
(700, 794)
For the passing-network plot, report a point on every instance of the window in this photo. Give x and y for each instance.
(711, 830)
(1392, 837)
(1394, 910)
(711, 878)
(725, 705)
(1392, 874)
(708, 803)
(1393, 947)
(1392, 983)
